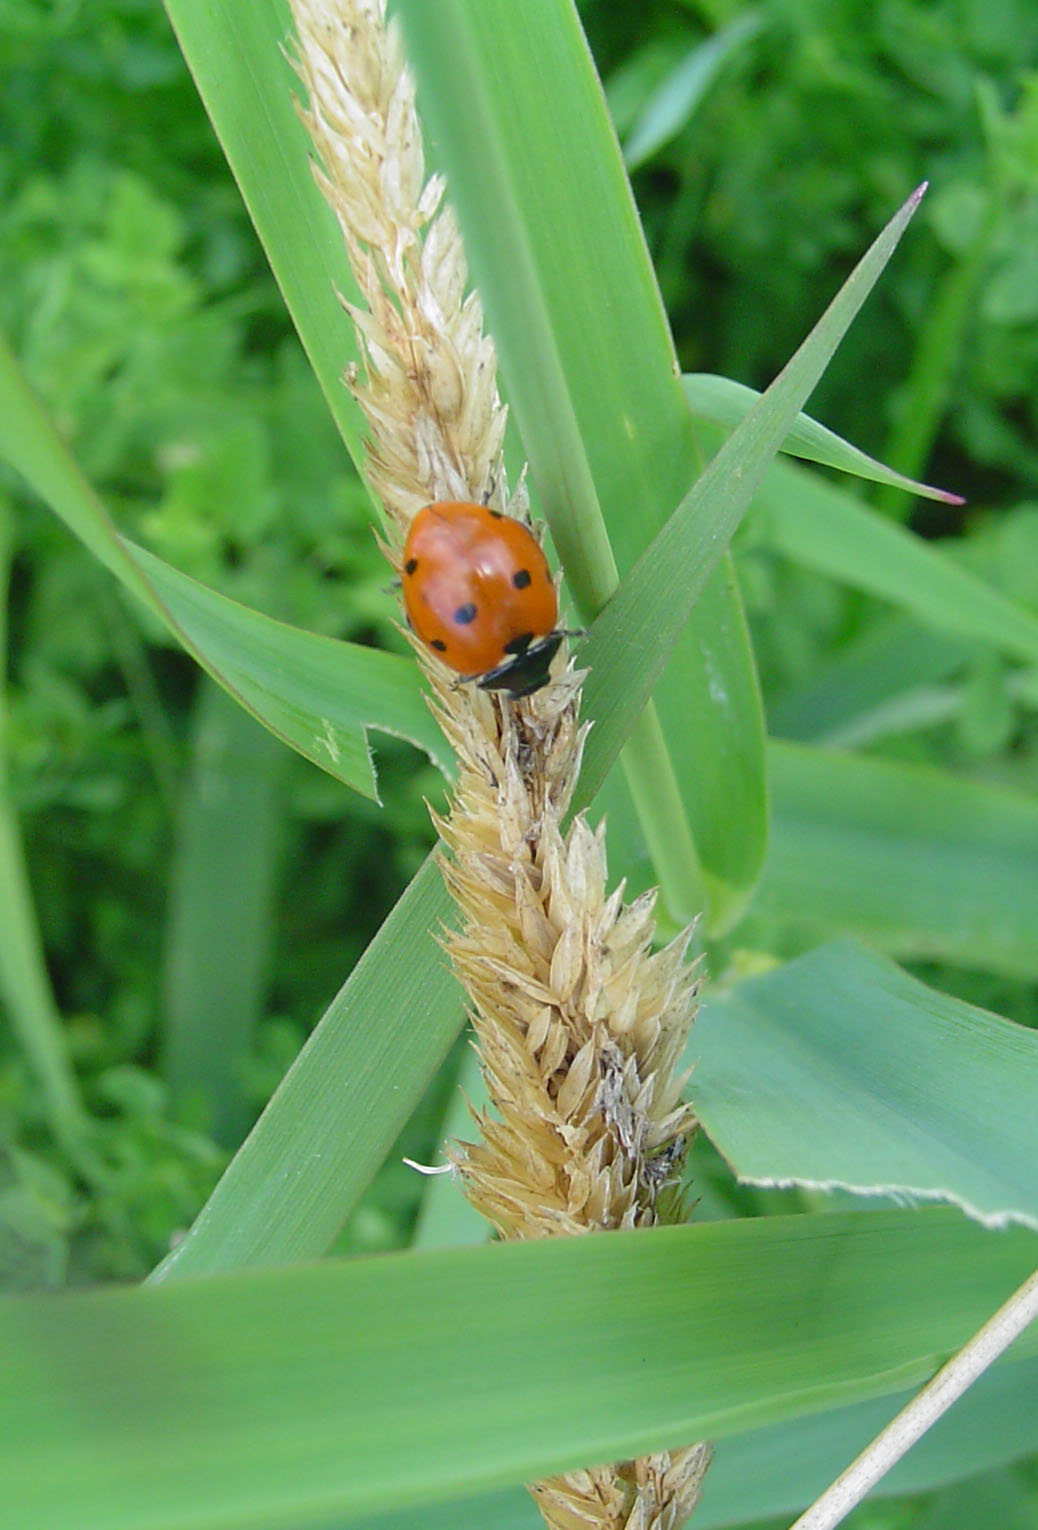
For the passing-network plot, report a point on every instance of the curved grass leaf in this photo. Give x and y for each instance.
(821, 526)
(910, 858)
(318, 695)
(559, 256)
(302, 1396)
(629, 643)
(726, 403)
(900, 1090)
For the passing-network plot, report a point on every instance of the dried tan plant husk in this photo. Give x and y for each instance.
(580, 1023)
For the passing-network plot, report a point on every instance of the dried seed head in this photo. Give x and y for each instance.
(580, 1024)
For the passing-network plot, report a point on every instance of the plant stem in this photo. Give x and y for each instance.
(950, 1382)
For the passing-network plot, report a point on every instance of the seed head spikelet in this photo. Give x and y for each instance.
(580, 1024)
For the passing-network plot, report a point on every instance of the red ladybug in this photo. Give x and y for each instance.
(479, 593)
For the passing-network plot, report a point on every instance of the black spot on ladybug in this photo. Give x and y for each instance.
(519, 644)
(521, 578)
(439, 645)
(410, 565)
(465, 614)
(498, 515)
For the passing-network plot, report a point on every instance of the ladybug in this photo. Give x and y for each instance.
(479, 593)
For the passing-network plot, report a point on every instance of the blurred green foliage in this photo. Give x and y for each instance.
(141, 307)
(139, 302)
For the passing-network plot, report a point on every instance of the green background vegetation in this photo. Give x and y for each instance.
(141, 307)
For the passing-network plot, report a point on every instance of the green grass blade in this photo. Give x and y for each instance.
(286, 1397)
(629, 643)
(910, 858)
(237, 56)
(678, 94)
(318, 695)
(221, 908)
(822, 527)
(556, 248)
(781, 1469)
(346, 1097)
(726, 403)
(900, 1090)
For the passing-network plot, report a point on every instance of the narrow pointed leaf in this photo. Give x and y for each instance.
(726, 403)
(676, 97)
(346, 1096)
(629, 643)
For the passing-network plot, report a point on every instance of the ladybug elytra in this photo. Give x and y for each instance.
(478, 591)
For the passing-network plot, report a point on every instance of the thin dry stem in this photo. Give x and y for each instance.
(580, 1024)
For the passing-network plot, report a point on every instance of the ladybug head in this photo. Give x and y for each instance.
(526, 671)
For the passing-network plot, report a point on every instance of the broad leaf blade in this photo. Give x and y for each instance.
(282, 1397)
(900, 1090)
(780, 1469)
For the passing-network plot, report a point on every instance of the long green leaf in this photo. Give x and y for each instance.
(629, 643)
(780, 1469)
(298, 1396)
(726, 402)
(899, 1090)
(239, 58)
(884, 673)
(318, 695)
(555, 245)
(920, 863)
(344, 1100)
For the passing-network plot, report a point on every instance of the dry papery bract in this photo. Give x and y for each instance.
(580, 1024)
